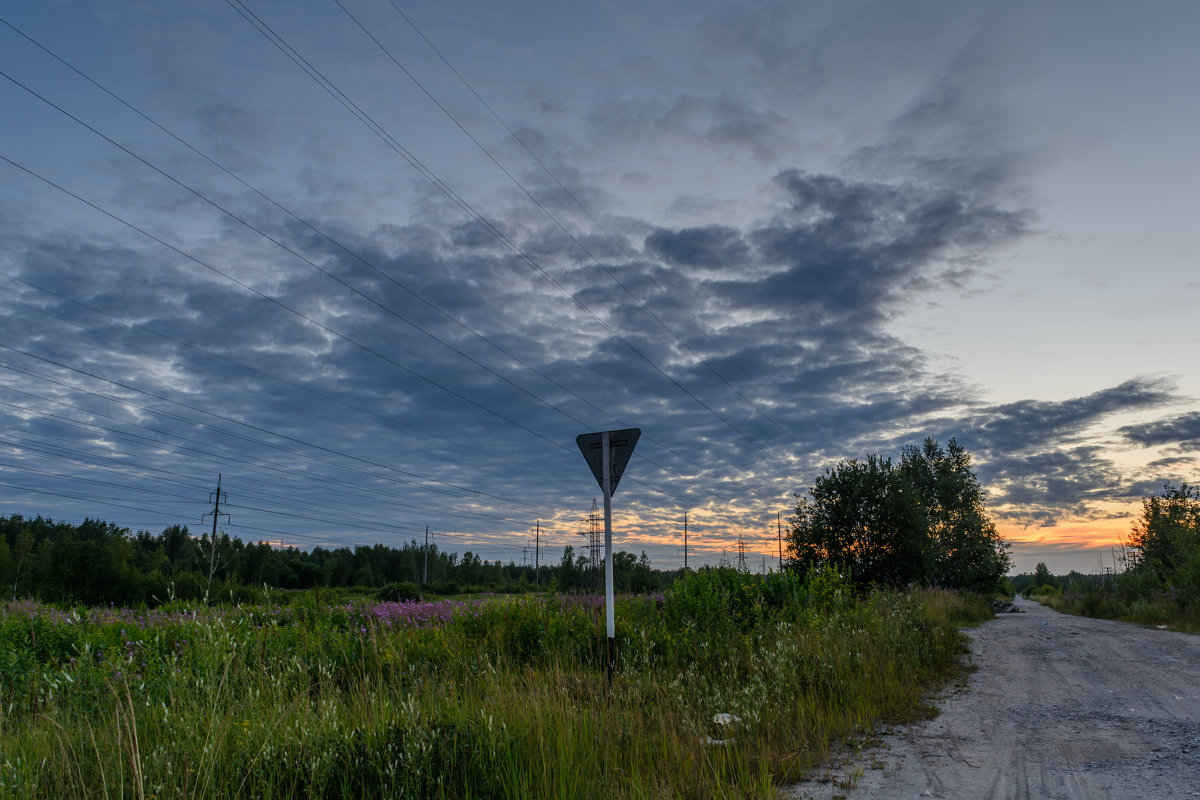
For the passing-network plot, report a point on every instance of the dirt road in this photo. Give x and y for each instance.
(1059, 707)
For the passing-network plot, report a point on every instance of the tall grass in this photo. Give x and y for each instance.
(492, 698)
(1161, 607)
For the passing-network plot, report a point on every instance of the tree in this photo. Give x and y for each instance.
(863, 520)
(568, 571)
(964, 549)
(1165, 541)
(23, 547)
(919, 521)
(1043, 577)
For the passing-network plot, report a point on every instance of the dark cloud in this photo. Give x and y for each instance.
(712, 246)
(1032, 425)
(849, 248)
(1177, 430)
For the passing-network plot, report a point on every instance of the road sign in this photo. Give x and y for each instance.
(607, 453)
(621, 444)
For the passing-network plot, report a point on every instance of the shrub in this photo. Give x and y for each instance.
(399, 592)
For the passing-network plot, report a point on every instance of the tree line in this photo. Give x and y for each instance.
(100, 562)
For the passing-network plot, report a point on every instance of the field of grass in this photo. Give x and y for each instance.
(489, 697)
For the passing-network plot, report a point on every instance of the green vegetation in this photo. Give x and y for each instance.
(1161, 581)
(488, 697)
(920, 522)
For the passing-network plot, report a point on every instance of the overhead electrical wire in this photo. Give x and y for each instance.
(286, 248)
(381, 132)
(533, 198)
(339, 422)
(332, 241)
(325, 236)
(261, 429)
(279, 303)
(473, 447)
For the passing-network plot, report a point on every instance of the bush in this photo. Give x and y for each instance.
(399, 592)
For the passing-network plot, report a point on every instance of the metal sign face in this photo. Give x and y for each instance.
(620, 443)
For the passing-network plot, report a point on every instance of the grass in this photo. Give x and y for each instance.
(1161, 608)
(488, 698)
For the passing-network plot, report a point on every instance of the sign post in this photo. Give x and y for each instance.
(607, 453)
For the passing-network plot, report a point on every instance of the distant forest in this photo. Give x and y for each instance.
(99, 562)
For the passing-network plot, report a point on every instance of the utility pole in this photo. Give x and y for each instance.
(685, 541)
(594, 544)
(212, 541)
(216, 512)
(537, 547)
(426, 579)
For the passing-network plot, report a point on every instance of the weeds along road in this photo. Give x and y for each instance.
(1058, 707)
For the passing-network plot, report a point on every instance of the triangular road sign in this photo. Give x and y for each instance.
(621, 444)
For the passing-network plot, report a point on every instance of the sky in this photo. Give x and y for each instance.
(377, 263)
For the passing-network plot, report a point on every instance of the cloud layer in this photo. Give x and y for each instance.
(362, 351)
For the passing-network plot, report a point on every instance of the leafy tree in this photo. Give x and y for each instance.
(1043, 577)
(863, 519)
(21, 550)
(919, 521)
(1165, 541)
(963, 548)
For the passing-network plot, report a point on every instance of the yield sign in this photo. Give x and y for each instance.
(620, 443)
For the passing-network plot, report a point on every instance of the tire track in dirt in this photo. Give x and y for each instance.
(1059, 708)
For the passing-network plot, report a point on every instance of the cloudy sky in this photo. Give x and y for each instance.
(377, 263)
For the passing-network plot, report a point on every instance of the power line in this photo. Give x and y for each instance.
(253, 427)
(390, 496)
(382, 133)
(304, 317)
(284, 306)
(105, 212)
(473, 448)
(573, 199)
(343, 283)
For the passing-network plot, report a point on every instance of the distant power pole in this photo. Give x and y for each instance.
(537, 546)
(212, 541)
(594, 543)
(426, 578)
(216, 512)
(741, 551)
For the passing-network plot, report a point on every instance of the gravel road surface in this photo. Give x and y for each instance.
(1058, 707)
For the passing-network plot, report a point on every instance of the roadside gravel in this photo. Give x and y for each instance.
(1059, 707)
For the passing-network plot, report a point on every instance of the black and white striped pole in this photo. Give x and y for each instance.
(607, 453)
